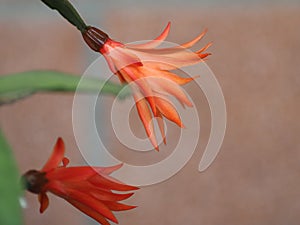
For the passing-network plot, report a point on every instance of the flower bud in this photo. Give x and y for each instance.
(95, 38)
(34, 181)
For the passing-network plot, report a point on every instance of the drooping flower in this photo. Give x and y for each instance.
(90, 189)
(149, 70)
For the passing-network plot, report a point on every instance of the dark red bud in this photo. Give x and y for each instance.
(34, 181)
(95, 38)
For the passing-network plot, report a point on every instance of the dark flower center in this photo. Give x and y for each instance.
(34, 181)
(95, 38)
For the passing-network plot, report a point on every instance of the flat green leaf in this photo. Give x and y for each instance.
(17, 86)
(10, 187)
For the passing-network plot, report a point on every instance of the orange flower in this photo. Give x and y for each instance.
(148, 70)
(89, 189)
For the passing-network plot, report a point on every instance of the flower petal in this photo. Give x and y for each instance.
(89, 211)
(194, 41)
(168, 110)
(44, 201)
(74, 174)
(132, 74)
(110, 196)
(85, 199)
(56, 157)
(161, 125)
(165, 86)
(175, 57)
(71, 173)
(204, 48)
(155, 42)
(109, 183)
(116, 206)
(153, 69)
(123, 58)
(146, 117)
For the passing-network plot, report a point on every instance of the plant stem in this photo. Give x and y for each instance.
(67, 10)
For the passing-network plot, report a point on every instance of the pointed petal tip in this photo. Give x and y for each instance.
(56, 157)
(44, 202)
(169, 25)
(132, 188)
(204, 48)
(60, 143)
(132, 207)
(65, 161)
(165, 141)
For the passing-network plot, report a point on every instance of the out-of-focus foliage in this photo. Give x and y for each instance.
(10, 186)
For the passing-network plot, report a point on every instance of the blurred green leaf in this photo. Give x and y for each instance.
(16, 86)
(10, 187)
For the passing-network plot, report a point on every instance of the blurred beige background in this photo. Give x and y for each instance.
(255, 178)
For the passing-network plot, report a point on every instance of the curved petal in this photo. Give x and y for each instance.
(89, 211)
(75, 174)
(71, 174)
(161, 126)
(44, 201)
(155, 42)
(204, 48)
(108, 170)
(168, 110)
(132, 74)
(152, 69)
(194, 41)
(56, 156)
(110, 196)
(116, 206)
(146, 117)
(122, 58)
(175, 57)
(165, 86)
(108, 183)
(70, 194)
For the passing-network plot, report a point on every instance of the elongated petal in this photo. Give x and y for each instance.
(204, 48)
(56, 157)
(194, 41)
(155, 42)
(44, 201)
(71, 173)
(116, 206)
(168, 110)
(83, 198)
(100, 190)
(110, 196)
(108, 170)
(165, 86)
(175, 57)
(110, 63)
(137, 77)
(152, 70)
(161, 125)
(89, 211)
(122, 58)
(74, 174)
(146, 117)
(109, 184)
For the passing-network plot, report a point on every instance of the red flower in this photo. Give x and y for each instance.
(149, 69)
(89, 189)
